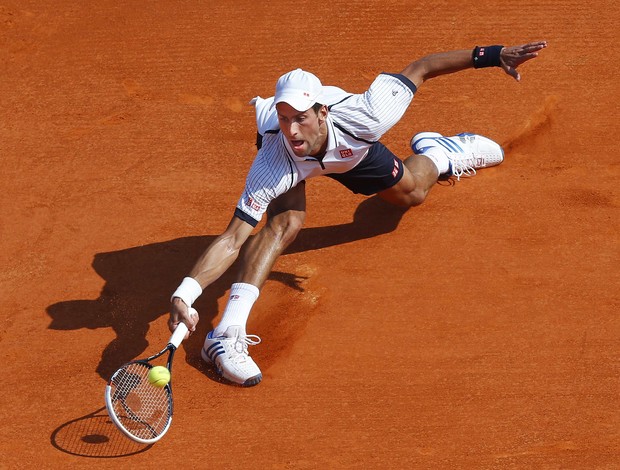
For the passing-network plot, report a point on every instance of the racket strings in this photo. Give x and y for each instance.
(143, 409)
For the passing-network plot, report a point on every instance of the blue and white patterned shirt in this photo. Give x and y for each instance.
(354, 123)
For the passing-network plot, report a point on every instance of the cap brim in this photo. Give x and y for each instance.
(299, 104)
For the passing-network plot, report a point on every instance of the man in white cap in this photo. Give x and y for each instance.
(308, 130)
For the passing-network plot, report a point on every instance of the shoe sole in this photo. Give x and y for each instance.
(248, 383)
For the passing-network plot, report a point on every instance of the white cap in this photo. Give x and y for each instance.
(298, 88)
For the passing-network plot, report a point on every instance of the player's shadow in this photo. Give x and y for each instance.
(138, 281)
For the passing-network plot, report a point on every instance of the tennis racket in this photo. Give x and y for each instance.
(142, 411)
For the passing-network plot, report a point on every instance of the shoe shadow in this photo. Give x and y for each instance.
(138, 281)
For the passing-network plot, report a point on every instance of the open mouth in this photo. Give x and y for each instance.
(297, 144)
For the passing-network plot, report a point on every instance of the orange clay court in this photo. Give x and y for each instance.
(479, 330)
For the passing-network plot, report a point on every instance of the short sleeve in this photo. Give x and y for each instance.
(271, 174)
(266, 115)
(371, 114)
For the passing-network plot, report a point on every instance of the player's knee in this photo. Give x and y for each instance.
(404, 199)
(287, 225)
(416, 198)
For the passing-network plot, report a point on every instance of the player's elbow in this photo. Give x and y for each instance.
(417, 71)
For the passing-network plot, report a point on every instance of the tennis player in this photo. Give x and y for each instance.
(307, 130)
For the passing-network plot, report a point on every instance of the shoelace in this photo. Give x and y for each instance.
(463, 167)
(241, 346)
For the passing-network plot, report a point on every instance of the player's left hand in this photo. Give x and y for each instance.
(513, 56)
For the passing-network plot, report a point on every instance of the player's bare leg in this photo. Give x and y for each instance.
(420, 174)
(227, 345)
(285, 217)
(434, 154)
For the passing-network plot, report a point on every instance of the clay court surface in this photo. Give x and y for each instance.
(479, 330)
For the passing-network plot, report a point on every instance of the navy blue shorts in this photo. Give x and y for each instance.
(380, 170)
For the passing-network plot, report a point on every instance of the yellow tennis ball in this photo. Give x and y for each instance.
(159, 376)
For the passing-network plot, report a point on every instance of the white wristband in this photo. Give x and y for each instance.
(188, 291)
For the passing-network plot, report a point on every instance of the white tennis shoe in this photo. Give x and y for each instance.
(229, 353)
(466, 152)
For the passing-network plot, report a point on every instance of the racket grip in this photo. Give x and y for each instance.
(180, 331)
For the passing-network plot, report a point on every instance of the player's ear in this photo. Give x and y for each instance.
(323, 114)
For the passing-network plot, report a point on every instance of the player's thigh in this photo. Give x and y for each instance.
(401, 193)
(286, 216)
(290, 204)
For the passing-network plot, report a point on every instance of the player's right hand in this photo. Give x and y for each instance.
(180, 313)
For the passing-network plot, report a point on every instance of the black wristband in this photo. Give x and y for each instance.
(486, 56)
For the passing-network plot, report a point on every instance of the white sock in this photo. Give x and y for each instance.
(237, 311)
(439, 158)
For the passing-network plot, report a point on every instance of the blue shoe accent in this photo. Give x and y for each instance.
(214, 350)
(450, 145)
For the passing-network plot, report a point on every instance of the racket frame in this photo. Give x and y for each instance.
(173, 343)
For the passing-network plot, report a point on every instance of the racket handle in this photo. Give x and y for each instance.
(180, 331)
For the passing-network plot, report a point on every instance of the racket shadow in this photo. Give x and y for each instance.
(138, 281)
(94, 435)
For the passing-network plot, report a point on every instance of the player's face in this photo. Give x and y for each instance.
(306, 132)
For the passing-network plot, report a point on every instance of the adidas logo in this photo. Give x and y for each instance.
(215, 350)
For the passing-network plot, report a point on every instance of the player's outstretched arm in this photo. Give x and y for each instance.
(443, 63)
(216, 259)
